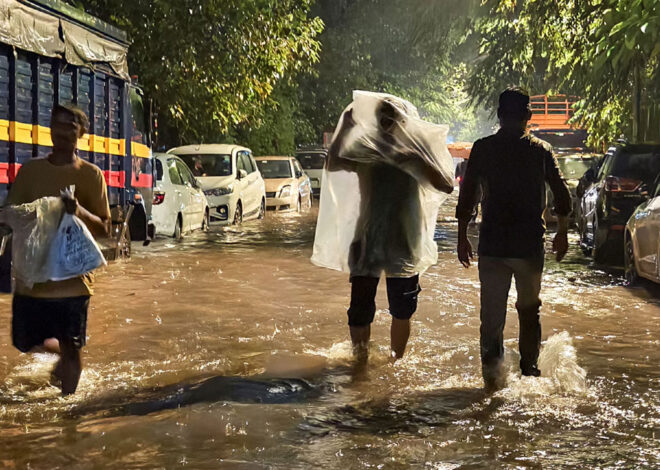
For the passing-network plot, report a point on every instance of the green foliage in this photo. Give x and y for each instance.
(212, 65)
(594, 48)
(414, 49)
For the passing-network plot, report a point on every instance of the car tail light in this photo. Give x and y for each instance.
(159, 197)
(616, 184)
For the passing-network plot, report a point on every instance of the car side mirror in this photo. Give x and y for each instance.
(242, 174)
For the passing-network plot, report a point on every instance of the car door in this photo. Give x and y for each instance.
(251, 190)
(590, 198)
(304, 186)
(195, 201)
(242, 182)
(179, 192)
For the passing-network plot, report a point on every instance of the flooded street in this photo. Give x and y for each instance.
(230, 350)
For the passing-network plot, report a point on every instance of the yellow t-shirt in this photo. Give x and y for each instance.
(39, 178)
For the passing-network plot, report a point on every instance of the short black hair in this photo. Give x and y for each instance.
(514, 103)
(78, 114)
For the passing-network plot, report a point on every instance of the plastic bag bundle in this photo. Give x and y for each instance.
(48, 244)
(34, 226)
(74, 251)
(371, 219)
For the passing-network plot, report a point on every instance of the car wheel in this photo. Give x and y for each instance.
(238, 214)
(178, 228)
(631, 275)
(599, 249)
(262, 210)
(205, 221)
(124, 245)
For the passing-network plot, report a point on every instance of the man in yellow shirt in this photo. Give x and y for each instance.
(53, 315)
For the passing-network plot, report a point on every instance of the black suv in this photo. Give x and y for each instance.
(620, 185)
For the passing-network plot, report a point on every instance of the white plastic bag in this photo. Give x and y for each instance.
(73, 251)
(34, 226)
(365, 225)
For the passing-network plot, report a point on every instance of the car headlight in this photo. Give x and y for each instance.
(219, 191)
(285, 191)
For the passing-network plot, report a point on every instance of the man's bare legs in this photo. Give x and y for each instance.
(68, 367)
(399, 334)
(360, 338)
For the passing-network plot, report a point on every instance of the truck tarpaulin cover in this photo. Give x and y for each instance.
(33, 30)
(378, 208)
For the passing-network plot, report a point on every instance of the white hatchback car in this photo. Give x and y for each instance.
(313, 162)
(230, 179)
(179, 204)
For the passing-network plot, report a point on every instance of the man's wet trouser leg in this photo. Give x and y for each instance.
(527, 273)
(495, 277)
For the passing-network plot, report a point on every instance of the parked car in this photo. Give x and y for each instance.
(621, 184)
(230, 179)
(179, 204)
(572, 167)
(287, 185)
(313, 162)
(642, 240)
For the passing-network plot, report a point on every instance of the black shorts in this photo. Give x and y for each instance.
(401, 294)
(35, 320)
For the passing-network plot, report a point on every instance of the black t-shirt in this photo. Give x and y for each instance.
(512, 171)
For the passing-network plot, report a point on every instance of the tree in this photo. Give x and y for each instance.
(605, 51)
(211, 65)
(414, 49)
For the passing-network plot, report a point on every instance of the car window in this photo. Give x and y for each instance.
(175, 177)
(273, 169)
(218, 164)
(643, 166)
(240, 162)
(253, 163)
(245, 162)
(185, 173)
(311, 161)
(159, 170)
(605, 167)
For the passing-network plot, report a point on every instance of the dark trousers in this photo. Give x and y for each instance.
(401, 294)
(495, 275)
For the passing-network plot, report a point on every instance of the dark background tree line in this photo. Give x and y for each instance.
(276, 74)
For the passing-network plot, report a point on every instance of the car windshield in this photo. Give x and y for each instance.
(311, 161)
(208, 164)
(563, 140)
(639, 166)
(274, 168)
(574, 168)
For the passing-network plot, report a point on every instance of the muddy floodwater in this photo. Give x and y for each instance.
(229, 350)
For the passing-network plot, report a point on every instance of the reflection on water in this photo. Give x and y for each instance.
(230, 350)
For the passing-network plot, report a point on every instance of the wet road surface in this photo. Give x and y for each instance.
(230, 350)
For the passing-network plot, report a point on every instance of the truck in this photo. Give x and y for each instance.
(52, 53)
(550, 122)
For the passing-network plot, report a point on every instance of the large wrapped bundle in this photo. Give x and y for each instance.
(386, 175)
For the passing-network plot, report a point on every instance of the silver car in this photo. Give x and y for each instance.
(642, 240)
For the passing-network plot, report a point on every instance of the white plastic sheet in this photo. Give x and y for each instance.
(387, 173)
(34, 227)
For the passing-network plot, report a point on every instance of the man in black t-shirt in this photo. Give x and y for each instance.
(511, 169)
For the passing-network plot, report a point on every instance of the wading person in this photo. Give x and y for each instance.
(511, 168)
(52, 316)
(388, 233)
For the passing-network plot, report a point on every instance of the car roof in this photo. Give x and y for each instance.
(207, 148)
(639, 148)
(273, 157)
(323, 151)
